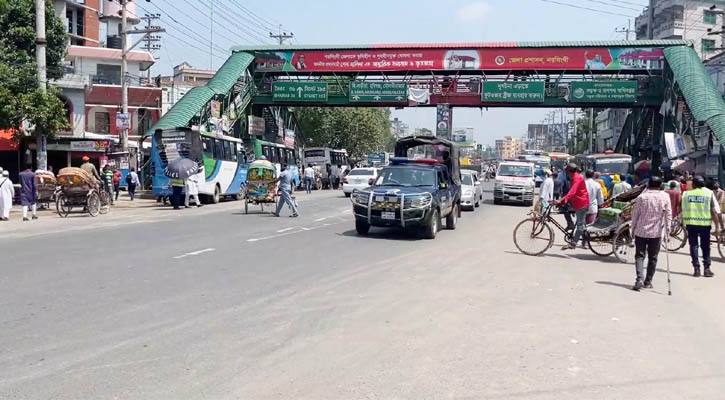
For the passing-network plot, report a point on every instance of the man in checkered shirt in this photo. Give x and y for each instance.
(652, 217)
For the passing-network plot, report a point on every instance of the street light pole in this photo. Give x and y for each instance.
(40, 43)
(591, 129)
(124, 68)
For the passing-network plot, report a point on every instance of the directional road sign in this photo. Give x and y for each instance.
(299, 91)
(383, 92)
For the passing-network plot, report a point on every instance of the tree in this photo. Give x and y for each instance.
(358, 130)
(582, 125)
(21, 97)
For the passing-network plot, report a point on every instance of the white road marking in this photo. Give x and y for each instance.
(320, 219)
(195, 253)
(284, 230)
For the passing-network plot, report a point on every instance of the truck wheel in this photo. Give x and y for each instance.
(362, 227)
(217, 195)
(452, 218)
(431, 228)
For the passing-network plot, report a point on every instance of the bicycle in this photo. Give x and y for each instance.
(533, 236)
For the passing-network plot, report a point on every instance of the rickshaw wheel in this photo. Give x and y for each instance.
(93, 204)
(246, 206)
(62, 206)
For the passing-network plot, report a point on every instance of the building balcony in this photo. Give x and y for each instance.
(73, 81)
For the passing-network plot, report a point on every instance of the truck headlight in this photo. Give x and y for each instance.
(418, 201)
(467, 193)
(361, 198)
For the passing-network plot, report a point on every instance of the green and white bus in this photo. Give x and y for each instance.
(223, 161)
(277, 154)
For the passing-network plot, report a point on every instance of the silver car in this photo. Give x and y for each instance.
(471, 190)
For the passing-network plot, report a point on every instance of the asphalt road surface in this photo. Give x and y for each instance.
(215, 304)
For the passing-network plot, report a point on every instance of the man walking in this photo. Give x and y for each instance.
(622, 186)
(309, 178)
(547, 188)
(651, 218)
(596, 199)
(699, 210)
(675, 198)
(132, 181)
(285, 186)
(192, 190)
(7, 193)
(108, 181)
(117, 175)
(579, 200)
(28, 193)
(177, 186)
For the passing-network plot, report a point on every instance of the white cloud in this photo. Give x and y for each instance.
(473, 11)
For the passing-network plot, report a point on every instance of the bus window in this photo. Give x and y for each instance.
(218, 149)
(207, 145)
(234, 151)
(227, 150)
(282, 156)
(290, 156)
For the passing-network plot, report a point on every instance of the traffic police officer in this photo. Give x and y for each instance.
(699, 210)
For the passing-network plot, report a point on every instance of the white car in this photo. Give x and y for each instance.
(471, 190)
(359, 179)
(515, 183)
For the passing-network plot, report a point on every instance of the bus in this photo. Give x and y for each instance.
(606, 163)
(559, 160)
(277, 154)
(324, 156)
(222, 159)
(541, 162)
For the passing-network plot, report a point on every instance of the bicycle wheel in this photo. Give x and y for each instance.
(600, 247)
(93, 203)
(533, 237)
(721, 246)
(62, 205)
(105, 203)
(623, 245)
(677, 239)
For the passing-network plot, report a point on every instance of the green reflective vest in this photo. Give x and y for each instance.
(177, 182)
(696, 207)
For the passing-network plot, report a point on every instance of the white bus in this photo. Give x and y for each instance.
(327, 161)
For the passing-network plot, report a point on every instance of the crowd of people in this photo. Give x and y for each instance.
(697, 203)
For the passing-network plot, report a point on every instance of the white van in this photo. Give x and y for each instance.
(514, 183)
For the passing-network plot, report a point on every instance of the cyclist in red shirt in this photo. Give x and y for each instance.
(579, 199)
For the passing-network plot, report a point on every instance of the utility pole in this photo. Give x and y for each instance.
(281, 36)
(591, 130)
(40, 43)
(211, 35)
(627, 30)
(650, 19)
(150, 42)
(721, 32)
(125, 48)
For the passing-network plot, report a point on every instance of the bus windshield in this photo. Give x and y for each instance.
(612, 166)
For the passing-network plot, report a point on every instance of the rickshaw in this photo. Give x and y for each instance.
(261, 185)
(46, 184)
(76, 188)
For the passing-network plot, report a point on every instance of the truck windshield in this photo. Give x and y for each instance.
(515, 170)
(612, 166)
(406, 177)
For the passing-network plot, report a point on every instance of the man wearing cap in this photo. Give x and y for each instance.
(699, 210)
(91, 169)
(7, 192)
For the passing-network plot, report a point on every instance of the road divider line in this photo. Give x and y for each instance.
(320, 219)
(195, 253)
(284, 230)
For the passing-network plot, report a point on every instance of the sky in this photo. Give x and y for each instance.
(314, 22)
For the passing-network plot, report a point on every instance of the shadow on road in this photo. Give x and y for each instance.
(390, 234)
(594, 257)
(664, 271)
(543, 255)
(621, 285)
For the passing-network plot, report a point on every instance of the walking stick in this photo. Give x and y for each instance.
(667, 255)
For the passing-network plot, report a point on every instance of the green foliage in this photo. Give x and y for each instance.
(358, 130)
(20, 95)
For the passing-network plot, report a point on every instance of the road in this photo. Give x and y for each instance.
(215, 304)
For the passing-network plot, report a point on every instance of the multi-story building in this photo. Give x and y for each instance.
(609, 126)
(509, 148)
(184, 78)
(399, 128)
(91, 86)
(684, 19)
(538, 137)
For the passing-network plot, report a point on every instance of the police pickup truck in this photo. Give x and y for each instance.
(413, 194)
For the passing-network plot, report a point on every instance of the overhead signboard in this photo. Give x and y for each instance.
(299, 91)
(513, 92)
(603, 92)
(384, 92)
(393, 58)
